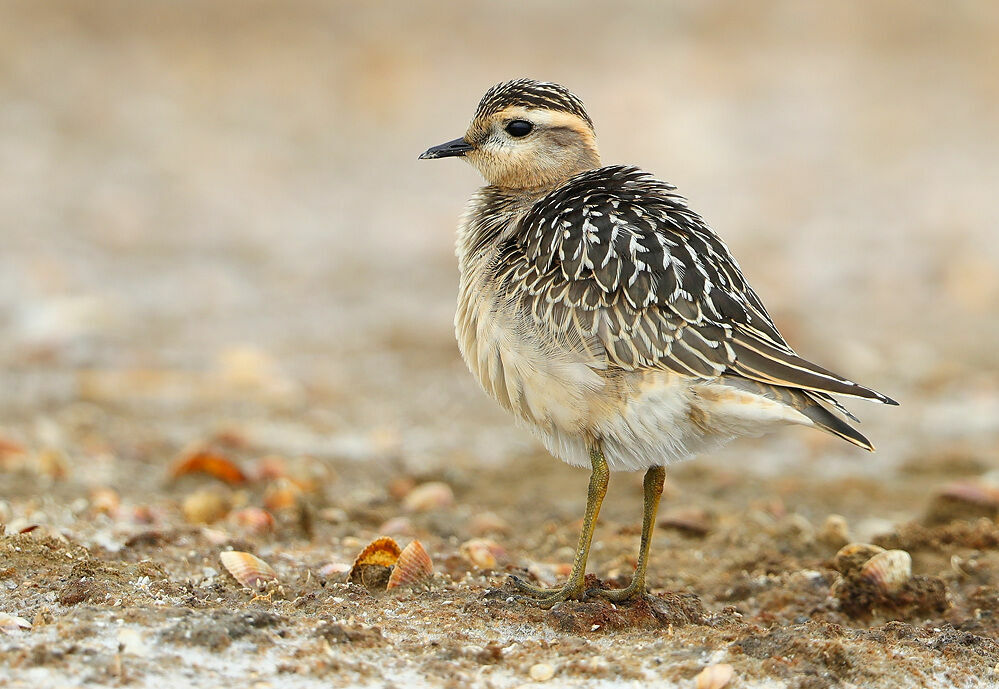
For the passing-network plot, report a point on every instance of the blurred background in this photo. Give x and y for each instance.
(212, 216)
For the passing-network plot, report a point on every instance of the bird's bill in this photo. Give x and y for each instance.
(458, 147)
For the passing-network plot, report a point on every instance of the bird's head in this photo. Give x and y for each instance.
(526, 134)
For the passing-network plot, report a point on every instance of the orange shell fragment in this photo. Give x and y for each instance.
(382, 551)
(208, 462)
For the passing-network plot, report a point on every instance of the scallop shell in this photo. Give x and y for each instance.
(852, 557)
(372, 567)
(715, 676)
(249, 570)
(414, 566)
(382, 551)
(888, 571)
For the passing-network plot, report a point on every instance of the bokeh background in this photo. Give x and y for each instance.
(212, 214)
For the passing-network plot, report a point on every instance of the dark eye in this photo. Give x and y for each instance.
(519, 128)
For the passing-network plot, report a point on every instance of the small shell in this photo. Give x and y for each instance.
(888, 571)
(541, 672)
(715, 676)
(373, 566)
(399, 526)
(254, 520)
(400, 487)
(486, 523)
(104, 501)
(335, 569)
(429, 496)
(208, 462)
(10, 623)
(270, 467)
(52, 464)
(283, 494)
(382, 551)
(483, 553)
(205, 506)
(249, 570)
(852, 557)
(414, 566)
(835, 531)
(971, 492)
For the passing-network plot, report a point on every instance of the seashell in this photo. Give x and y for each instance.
(488, 523)
(254, 519)
(429, 496)
(888, 571)
(414, 566)
(372, 567)
(10, 623)
(401, 486)
(270, 467)
(104, 501)
(283, 494)
(400, 526)
(8, 450)
(963, 500)
(834, 531)
(382, 551)
(52, 464)
(205, 506)
(715, 676)
(249, 570)
(205, 461)
(852, 557)
(483, 553)
(334, 569)
(972, 492)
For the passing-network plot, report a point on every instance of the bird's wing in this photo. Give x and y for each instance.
(615, 262)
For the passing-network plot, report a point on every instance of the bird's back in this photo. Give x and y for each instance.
(605, 309)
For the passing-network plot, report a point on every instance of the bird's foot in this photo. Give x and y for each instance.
(633, 591)
(636, 589)
(573, 589)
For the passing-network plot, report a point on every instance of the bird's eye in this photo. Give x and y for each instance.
(519, 128)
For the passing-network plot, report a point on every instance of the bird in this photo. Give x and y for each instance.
(609, 318)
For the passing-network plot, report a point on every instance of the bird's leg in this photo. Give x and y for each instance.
(574, 587)
(654, 479)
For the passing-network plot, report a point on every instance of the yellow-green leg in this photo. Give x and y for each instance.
(574, 587)
(654, 479)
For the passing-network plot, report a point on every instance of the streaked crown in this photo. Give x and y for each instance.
(529, 93)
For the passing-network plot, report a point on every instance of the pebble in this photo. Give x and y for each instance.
(834, 531)
(541, 672)
(715, 676)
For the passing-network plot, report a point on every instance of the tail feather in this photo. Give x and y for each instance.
(811, 404)
(761, 361)
(828, 421)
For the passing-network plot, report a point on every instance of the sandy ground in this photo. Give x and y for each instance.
(216, 238)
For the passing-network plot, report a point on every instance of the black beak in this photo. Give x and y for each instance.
(458, 147)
